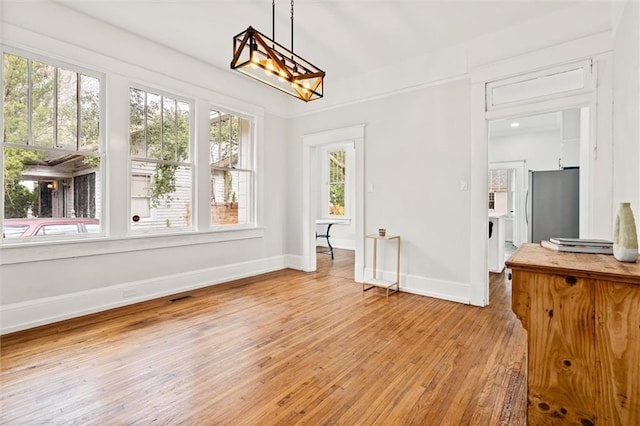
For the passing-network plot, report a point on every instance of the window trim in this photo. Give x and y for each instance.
(47, 249)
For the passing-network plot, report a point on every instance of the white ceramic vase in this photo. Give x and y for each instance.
(625, 237)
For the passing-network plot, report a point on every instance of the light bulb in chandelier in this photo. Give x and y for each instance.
(255, 58)
(282, 75)
(270, 67)
(303, 86)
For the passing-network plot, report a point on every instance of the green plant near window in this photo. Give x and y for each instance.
(337, 174)
(163, 185)
(336, 200)
(18, 200)
(17, 197)
(92, 162)
(224, 135)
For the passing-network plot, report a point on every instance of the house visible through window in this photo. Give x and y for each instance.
(232, 176)
(140, 198)
(160, 146)
(51, 145)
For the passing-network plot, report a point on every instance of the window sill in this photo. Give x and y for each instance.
(52, 250)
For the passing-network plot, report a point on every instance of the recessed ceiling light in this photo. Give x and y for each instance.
(515, 124)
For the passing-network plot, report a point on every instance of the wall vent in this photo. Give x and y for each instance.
(178, 299)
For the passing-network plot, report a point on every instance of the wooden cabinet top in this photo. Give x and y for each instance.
(533, 258)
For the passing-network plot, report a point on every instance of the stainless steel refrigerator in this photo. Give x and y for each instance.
(553, 204)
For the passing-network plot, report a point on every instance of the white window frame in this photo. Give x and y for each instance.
(192, 164)
(245, 150)
(114, 175)
(348, 184)
(101, 154)
(547, 73)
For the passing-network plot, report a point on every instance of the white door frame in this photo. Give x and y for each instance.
(311, 144)
(598, 98)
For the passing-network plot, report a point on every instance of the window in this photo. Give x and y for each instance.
(541, 85)
(161, 167)
(232, 176)
(498, 186)
(51, 145)
(337, 167)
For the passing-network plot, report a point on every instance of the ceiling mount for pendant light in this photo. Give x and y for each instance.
(262, 58)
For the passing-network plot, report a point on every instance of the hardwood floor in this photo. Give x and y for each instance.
(282, 348)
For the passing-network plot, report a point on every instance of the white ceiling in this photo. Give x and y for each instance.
(527, 124)
(342, 37)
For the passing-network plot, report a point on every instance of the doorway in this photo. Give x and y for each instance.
(522, 87)
(313, 146)
(518, 148)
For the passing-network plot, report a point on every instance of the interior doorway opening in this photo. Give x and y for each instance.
(538, 175)
(315, 146)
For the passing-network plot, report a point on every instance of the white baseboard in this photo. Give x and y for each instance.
(439, 289)
(294, 262)
(33, 313)
(423, 286)
(359, 273)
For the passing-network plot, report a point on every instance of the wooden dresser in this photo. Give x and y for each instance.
(582, 316)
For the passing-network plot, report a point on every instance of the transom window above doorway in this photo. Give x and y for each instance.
(551, 83)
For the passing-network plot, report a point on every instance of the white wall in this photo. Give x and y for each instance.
(417, 154)
(540, 150)
(510, 57)
(626, 118)
(417, 149)
(49, 282)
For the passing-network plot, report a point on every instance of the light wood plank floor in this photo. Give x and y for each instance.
(282, 348)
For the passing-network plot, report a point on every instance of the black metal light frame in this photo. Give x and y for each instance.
(267, 61)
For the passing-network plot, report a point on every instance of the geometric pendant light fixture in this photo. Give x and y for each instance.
(263, 59)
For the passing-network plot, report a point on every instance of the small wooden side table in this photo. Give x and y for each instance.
(375, 281)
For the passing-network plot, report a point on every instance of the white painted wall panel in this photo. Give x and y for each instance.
(626, 111)
(417, 148)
